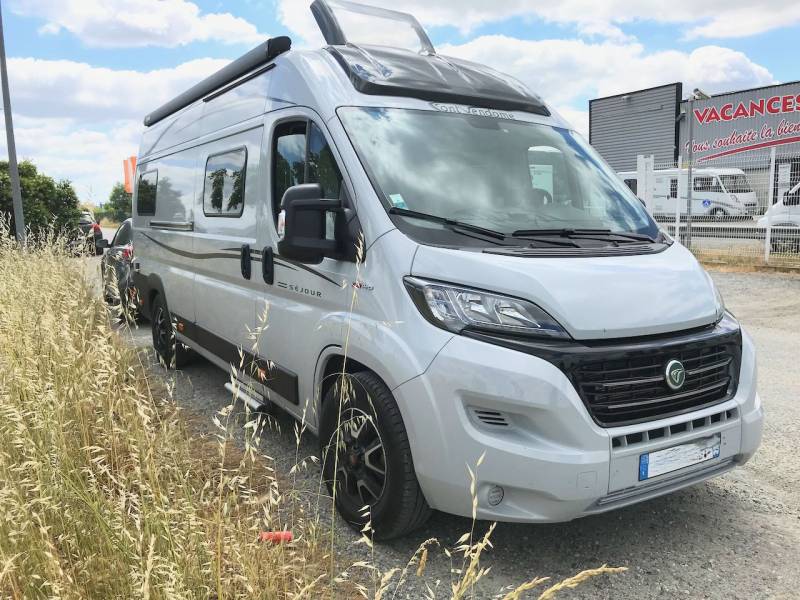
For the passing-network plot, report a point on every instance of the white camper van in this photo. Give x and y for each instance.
(717, 193)
(435, 232)
(784, 218)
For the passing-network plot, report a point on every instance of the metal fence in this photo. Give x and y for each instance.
(745, 208)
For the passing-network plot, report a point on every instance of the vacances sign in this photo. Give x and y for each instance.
(753, 125)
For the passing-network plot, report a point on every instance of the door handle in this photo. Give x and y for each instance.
(245, 261)
(267, 265)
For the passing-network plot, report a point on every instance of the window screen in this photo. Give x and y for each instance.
(146, 193)
(223, 191)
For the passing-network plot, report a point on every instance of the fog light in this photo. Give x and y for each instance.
(495, 495)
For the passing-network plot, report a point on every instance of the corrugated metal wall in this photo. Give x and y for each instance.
(644, 122)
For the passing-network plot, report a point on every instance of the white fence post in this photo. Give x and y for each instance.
(678, 199)
(771, 198)
(645, 180)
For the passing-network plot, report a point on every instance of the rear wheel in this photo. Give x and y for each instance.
(366, 458)
(171, 353)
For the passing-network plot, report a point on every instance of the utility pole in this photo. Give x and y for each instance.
(13, 169)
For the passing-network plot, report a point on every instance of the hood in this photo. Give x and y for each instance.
(592, 298)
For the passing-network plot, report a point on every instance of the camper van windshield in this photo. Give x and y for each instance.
(500, 174)
(736, 184)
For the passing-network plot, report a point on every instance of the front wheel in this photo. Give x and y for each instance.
(171, 353)
(366, 458)
(719, 214)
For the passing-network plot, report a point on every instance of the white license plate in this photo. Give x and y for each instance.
(653, 464)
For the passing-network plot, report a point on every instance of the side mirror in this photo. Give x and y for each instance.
(303, 224)
(102, 244)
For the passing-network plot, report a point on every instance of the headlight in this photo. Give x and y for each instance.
(456, 308)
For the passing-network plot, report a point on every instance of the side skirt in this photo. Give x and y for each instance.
(267, 373)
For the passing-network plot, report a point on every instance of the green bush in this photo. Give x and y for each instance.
(45, 202)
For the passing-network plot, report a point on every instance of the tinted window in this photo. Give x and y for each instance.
(289, 160)
(223, 188)
(123, 235)
(146, 193)
(321, 166)
(301, 158)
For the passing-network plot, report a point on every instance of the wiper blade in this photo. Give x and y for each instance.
(599, 234)
(452, 223)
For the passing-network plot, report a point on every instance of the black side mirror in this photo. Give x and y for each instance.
(303, 224)
(102, 244)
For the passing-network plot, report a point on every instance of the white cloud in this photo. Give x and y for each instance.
(64, 88)
(134, 23)
(565, 70)
(79, 122)
(710, 18)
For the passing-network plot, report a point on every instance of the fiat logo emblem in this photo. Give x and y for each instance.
(675, 374)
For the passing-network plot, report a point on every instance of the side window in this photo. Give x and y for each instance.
(321, 166)
(302, 155)
(223, 185)
(123, 235)
(632, 184)
(706, 184)
(146, 193)
(673, 187)
(289, 160)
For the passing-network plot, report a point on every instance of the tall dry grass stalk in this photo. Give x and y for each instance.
(106, 491)
(103, 491)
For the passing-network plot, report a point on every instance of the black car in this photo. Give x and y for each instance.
(116, 267)
(91, 231)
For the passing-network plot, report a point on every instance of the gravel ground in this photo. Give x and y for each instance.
(737, 536)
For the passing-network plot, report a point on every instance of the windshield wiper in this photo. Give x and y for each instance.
(597, 234)
(452, 223)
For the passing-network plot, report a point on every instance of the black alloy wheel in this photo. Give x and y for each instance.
(366, 458)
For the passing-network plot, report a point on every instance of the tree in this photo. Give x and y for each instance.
(119, 206)
(217, 186)
(45, 202)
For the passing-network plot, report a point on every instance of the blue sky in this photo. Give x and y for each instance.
(84, 72)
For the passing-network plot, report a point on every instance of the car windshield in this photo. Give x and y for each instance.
(736, 184)
(498, 173)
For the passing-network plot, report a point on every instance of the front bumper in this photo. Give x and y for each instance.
(538, 442)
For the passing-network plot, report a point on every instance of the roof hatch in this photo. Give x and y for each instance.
(387, 53)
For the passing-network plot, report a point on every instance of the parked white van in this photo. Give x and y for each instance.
(717, 193)
(436, 232)
(784, 218)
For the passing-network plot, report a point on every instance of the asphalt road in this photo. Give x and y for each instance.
(737, 536)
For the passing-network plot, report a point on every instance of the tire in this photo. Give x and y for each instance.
(718, 214)
(171, 353)
(372, 437)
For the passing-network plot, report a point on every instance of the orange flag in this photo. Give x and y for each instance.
(129, 167)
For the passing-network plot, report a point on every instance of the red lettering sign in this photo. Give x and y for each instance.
(773, 105)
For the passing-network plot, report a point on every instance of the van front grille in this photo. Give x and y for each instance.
(633, 389)
(623, 381)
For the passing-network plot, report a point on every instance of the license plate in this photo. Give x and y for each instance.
(653, 464)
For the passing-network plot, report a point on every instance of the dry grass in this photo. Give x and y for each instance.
(105, 492)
